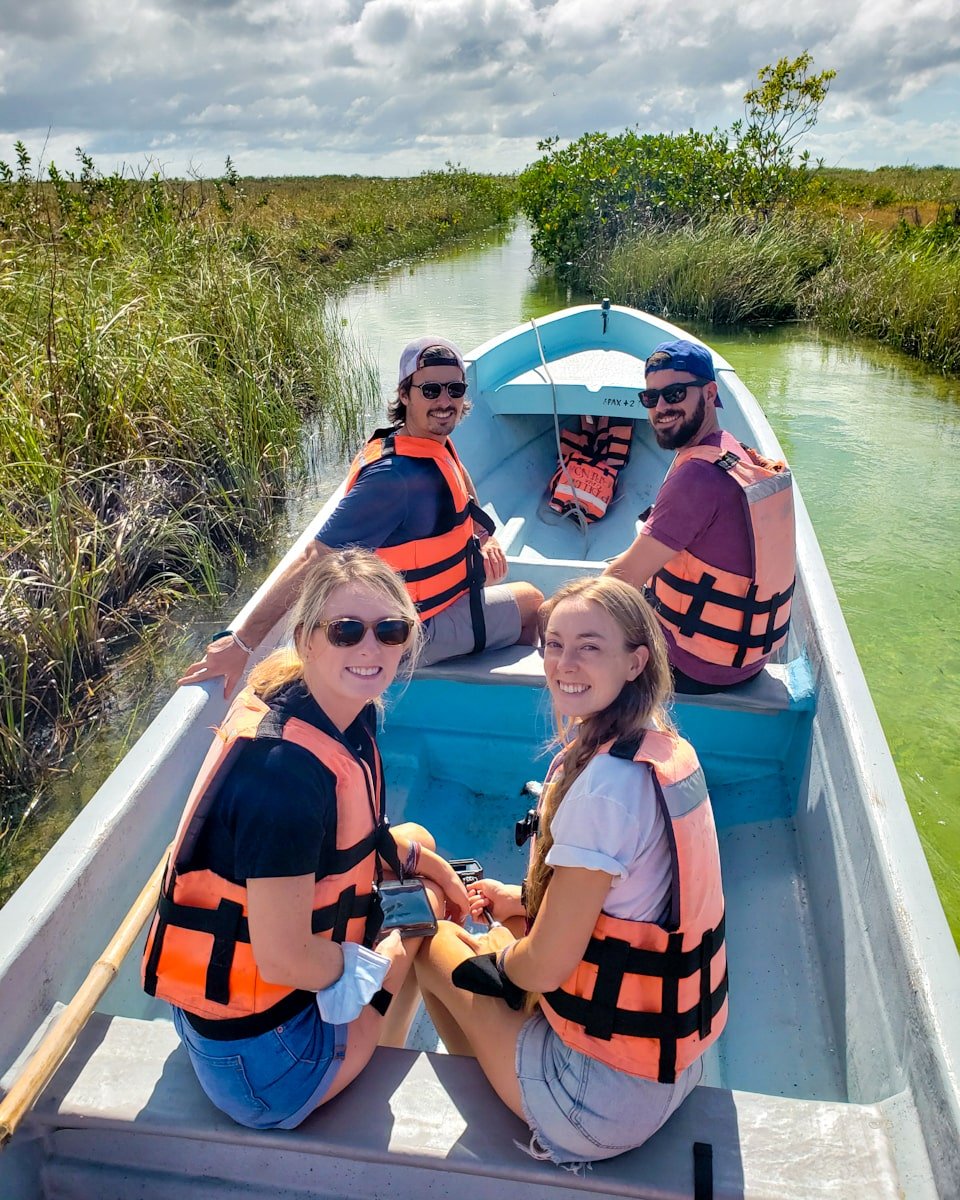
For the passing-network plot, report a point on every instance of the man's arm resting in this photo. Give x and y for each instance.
(640, 561)
(225, 657)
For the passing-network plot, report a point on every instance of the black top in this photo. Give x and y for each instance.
(274, 817)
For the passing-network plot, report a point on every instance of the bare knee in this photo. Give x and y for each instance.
(416, 832)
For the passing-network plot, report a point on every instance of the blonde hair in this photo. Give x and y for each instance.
(353, 567)
(640, 703)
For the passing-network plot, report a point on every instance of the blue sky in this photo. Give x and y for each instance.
(397, 86)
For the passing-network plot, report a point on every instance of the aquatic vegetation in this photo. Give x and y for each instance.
(725, 271)
(161, 343)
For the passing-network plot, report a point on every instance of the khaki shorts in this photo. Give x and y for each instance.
(450, 633)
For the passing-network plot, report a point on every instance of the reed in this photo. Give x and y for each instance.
(904, 293)
(161, 343)
(725, 271)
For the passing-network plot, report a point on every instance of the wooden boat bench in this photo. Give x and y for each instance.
(125, 1117)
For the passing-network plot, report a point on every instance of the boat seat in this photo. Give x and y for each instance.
(778, 687)
(124, 1115)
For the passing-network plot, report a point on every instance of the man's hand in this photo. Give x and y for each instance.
(494, 561)
(223, 658)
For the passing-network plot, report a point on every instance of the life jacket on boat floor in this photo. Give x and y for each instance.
(718, 616)
(647, 999)
(593, 456)
(437, 570)
(198, 954)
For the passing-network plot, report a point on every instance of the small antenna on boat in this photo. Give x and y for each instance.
(605, 309)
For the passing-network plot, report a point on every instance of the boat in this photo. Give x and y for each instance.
(838, 1074)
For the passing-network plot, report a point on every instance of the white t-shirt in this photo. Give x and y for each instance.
(610, 821)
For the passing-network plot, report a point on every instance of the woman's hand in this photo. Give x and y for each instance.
(498, 900)
(432, 866)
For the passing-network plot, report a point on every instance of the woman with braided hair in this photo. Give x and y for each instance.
(590, 1006)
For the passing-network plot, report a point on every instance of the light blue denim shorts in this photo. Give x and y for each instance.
(271, 1081)
(581, 1110)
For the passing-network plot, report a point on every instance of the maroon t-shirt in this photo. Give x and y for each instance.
(700, 508)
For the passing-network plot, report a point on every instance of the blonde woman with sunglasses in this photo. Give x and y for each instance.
(265, 937)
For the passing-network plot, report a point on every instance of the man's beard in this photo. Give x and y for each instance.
(680, 435)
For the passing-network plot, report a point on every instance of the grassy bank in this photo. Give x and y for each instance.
(160, 344)
(874, 254)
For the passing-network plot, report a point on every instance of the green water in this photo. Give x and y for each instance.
(873, 440)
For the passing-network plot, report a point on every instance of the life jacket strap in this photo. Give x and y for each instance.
(703, 592)
(229, 915)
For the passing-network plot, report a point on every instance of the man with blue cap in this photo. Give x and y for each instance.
(716, 555)
(408, 497)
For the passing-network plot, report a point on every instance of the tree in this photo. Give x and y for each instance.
(780, 112)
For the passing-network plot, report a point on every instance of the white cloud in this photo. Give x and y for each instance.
(399, 85)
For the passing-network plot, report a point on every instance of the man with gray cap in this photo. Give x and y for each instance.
(409, 498)
(716, 555)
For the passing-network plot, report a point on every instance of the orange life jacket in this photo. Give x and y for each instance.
(198, 954)
(593, 456)
(437, 570)
(647, 999)
(718, 616)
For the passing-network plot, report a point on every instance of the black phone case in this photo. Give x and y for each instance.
(406, 908)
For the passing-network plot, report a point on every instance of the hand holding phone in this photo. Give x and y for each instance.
(406, 908)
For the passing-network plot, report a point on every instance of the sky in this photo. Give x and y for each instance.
(394, 87)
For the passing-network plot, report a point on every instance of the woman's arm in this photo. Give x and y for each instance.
(543, 959)
(285, 948)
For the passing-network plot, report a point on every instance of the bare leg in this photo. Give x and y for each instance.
(485, 1026)
(528, 600)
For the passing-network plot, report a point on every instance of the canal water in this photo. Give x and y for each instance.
(873, 439)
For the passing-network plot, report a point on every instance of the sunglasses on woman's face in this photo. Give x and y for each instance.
(350, 631)
(431, 391)
(673, 393)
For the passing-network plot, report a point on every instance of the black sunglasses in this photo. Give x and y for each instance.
(350, 631)
(431, 391)
(673, 393)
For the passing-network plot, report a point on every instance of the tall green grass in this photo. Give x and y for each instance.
(160, 345)
(905, 294)
(726, 270)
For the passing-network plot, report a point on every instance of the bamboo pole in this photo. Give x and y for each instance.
(59, 1038)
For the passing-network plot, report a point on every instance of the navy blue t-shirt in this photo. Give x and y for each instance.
(394, 500)
(276, 813)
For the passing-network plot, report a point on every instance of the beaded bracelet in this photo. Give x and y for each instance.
(412, 860)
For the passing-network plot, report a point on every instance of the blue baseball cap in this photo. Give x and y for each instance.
(684, 356)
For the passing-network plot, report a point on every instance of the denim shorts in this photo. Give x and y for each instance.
(450, 633)
(271, 1081)
(581, 1110)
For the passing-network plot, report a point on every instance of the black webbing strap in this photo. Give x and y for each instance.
(229, 916)
(201, 920)
(337, 915)
(150, 979)
(655, 964)
(380, 1001)
(670, 1011)
(699, 593)
(606, 989)
(702, 1171)
(628, 1023)
(706, 960)
(419, 574)
(746, 624)
(344, 910)
(726, 599)
(476, 576)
